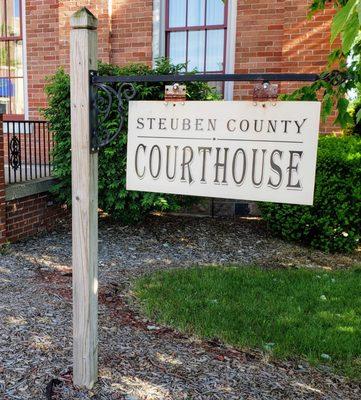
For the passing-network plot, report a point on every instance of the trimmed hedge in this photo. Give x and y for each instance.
(114, 199)
(333, 223)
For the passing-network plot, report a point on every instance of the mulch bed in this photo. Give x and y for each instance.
(138, 359)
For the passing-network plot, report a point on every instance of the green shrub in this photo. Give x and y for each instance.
(333, 223)
(355, 109)
(127, 206)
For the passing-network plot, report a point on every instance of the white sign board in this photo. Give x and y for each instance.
(263, 151)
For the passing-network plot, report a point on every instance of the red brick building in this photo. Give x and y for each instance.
(218, 36)
(234, 36)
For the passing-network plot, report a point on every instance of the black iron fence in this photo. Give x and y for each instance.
(28, 148)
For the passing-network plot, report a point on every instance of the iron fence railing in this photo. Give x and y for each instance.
(27, 152)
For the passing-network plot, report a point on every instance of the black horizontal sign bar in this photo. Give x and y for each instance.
(207, 78)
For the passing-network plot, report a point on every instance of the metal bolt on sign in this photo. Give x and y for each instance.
(265, 91)
(175, 93)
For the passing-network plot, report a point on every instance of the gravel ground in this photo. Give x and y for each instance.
(139, 360)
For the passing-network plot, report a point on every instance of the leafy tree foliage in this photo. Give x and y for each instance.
(346, 59)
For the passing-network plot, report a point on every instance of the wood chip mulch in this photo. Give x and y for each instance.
(138, 359)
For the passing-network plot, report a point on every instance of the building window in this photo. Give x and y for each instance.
(11, 57)
(196, 32)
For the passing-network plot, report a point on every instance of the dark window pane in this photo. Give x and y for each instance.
(196, 48)
(177, 13)
(215, 50)
(2, 18)
(196, 11)
(177, 47)
(215, 12)
(16, 58)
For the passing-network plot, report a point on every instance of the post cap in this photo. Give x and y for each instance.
(83, 19)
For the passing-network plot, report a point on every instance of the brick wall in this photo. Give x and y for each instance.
(306, 44)
(272, 36)
(132, 29)
(27, 214)
(259, 40)
(98, 8)
(277, 37)
(42, 35)
(124, 35)
(48, 36)
(31, 215)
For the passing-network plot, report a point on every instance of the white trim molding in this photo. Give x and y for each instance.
(230, 47)
(159, 39)
(25, 64)
(158, 29)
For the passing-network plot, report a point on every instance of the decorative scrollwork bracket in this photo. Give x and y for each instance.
(107, 102)
(334, 77)
(15, 153)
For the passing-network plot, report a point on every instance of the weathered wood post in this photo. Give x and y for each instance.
(83, 57)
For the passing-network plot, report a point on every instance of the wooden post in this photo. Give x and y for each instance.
(83, 57)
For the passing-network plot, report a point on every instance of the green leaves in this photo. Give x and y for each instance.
(358, 116)
(345, 60)
(349, 34)
(327, 104)
(341, 18)
(343, 117)
(347, 24)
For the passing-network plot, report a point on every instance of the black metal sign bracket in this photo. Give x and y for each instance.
(108, 94)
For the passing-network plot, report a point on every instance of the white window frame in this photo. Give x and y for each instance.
(159, 39)
(25, 64)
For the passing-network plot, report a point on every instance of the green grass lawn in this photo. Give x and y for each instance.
(310, 315)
